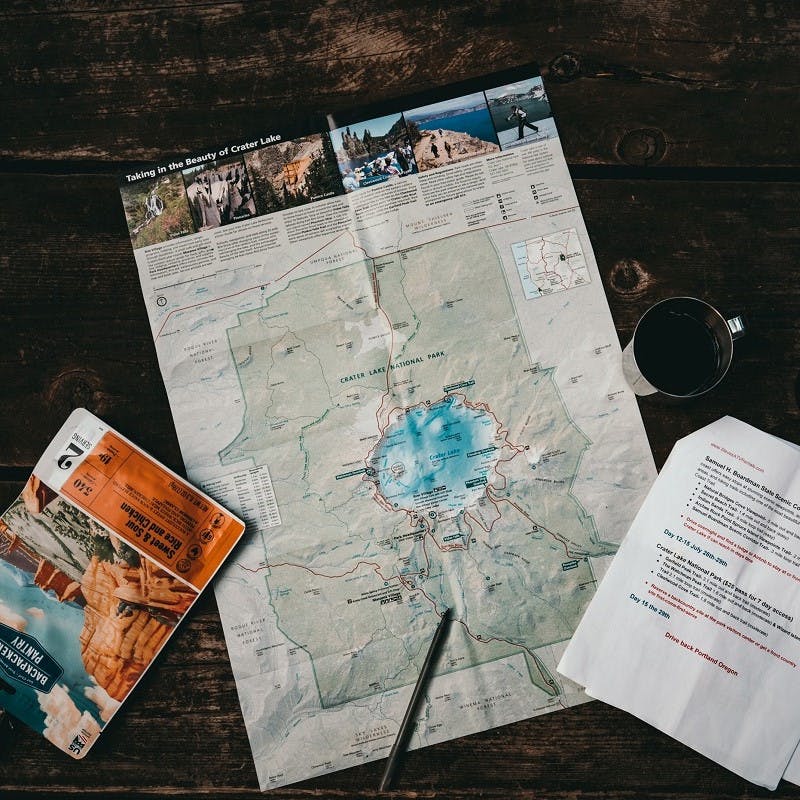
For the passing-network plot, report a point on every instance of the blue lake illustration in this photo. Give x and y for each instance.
(438, 458)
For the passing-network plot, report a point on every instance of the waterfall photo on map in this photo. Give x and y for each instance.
(156, 210)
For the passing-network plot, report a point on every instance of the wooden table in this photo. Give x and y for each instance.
(680, 123)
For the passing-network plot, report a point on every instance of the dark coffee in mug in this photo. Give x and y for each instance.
(681, 348)
(676, 352)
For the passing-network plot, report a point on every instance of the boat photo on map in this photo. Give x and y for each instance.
(219, 193)
(373, 151)
(521, 113)
(293, 173)
(451, 131)
(156, 210)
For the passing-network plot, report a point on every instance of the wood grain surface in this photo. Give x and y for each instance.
(680, 124)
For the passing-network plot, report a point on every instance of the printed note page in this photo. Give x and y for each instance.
(696, 627)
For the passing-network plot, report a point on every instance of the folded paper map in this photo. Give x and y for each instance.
(695, 627)
(386, 345)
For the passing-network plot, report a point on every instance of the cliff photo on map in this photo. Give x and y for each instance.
(451, 131)
(293, 173)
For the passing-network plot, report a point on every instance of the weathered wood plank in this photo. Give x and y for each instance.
(80, 335)
(107, 367)
(8, 492)
(616, 72)
(677, 85)
(181, 734)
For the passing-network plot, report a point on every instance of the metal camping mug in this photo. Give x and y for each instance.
(681, 348)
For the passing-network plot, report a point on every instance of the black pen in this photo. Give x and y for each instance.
(400, 742)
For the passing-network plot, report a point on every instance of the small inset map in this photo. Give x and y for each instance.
(551, 263)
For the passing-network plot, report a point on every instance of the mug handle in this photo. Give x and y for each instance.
(737, 327)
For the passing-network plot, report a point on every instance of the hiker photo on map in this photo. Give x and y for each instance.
(373, 151)
(293, 173)
(219, 193)
(521, 113)
(156, 210)
(451, 131)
